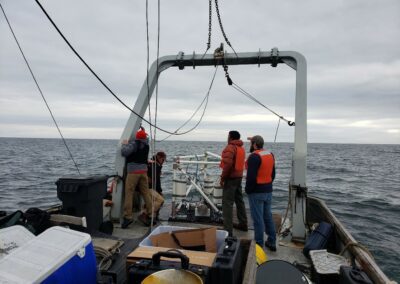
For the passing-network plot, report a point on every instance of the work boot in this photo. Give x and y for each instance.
(125, 223)
(144, 219)
(241, 227)
(272, 247)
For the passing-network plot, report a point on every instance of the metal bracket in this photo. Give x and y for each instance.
(219, 52)
(274, 57)
(299, 188)
(179, 59)
(194, 55)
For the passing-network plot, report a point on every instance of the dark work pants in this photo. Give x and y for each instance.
(232, 193)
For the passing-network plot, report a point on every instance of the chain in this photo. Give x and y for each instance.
(209, 24)
(222, 28)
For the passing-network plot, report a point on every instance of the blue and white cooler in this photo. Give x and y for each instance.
(58, 255)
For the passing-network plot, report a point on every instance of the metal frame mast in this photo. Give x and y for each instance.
(297, 185)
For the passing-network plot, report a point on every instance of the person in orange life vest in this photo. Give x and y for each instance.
(232, 164)
(136, 152)
(260, 175)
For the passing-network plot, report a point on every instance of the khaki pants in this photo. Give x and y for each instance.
(158, 200)
(141, 182)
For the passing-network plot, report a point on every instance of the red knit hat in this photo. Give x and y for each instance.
(141, 134)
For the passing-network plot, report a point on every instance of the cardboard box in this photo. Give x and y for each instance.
(195, 257)
(204, 239)
(164, 240)
(212, 239)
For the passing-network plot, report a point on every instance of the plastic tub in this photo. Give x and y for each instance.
(326, 266)
(146, 242)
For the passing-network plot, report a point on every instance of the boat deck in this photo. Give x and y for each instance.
(286, 250)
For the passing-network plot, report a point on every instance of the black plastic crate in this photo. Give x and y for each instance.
(82, 196)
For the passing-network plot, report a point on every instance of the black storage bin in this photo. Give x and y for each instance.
(83, 196)
(318, 238)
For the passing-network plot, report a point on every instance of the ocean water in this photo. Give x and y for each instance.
(359, 183)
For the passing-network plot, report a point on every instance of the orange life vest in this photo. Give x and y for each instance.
(240, 158)
(264, 174)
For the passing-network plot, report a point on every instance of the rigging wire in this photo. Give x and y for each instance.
(154, 156)
(276, 131)
(148, 63)
(100, 80)
(239, 89)
(40, 90)
(205, 99)
(149, 106)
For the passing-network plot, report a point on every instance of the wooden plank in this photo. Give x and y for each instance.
(250, 272)
(67, 219)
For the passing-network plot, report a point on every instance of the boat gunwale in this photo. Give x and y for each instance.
(367, 263)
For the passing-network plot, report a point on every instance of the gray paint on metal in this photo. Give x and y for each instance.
(293, 59)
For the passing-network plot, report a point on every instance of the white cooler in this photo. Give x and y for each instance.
(58, 255)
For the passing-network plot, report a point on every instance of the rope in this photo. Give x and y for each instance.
(286, 214)
(206, 97)
(100, 80)
(105, 256)
(40, 90)
(356, 244)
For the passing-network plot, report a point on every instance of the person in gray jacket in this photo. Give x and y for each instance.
(136, 153)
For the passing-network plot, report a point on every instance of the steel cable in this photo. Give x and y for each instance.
(40, 90)
(100, 80)
(206, 97)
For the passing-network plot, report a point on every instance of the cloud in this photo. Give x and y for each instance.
(351, 50)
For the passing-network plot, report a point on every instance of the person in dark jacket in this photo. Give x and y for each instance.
(136, 153)
(155, 165)
(259, 178)
(232, 164)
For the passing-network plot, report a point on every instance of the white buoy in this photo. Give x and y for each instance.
(217, 195)
(208, 186)
(178, 189)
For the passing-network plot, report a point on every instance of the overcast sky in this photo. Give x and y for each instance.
(352, 50)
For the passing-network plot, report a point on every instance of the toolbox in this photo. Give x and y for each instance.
(227, 267)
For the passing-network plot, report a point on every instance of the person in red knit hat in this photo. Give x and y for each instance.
(136, 152)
